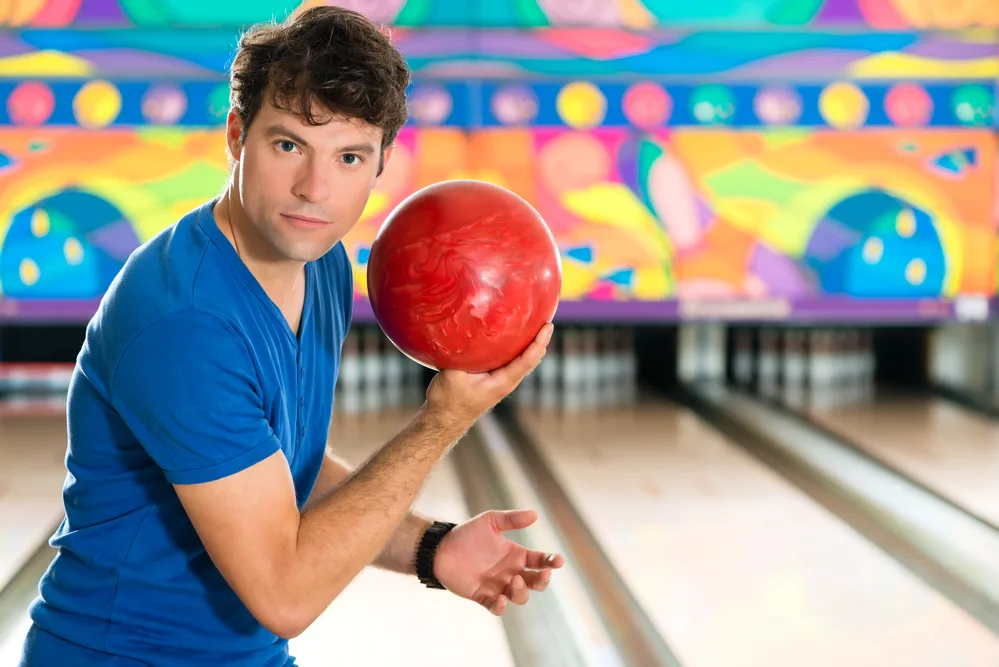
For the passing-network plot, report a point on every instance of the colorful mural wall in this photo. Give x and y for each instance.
(695, 154)
(633, 14)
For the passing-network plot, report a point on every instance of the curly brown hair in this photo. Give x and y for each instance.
(323, 64)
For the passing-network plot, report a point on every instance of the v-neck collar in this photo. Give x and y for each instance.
(208, 224)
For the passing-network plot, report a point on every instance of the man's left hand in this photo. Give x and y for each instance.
(477, 562)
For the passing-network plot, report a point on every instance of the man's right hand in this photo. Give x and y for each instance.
(457, 397)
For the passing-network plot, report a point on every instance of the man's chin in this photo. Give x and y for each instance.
(302, 253)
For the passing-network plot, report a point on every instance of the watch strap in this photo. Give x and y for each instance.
(427, 551)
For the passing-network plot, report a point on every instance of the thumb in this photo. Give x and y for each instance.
(514, 519)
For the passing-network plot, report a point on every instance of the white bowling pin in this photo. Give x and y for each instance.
(372, 373)
(573, 370)
(821, 371)
(393, 366)
(688, 340)
(621, 366)
(605, 365)
(349, 384)
(742, 364)
(526, 393)
(714, 352)
(768, 364)
(794, 366)
(867, 363)
(591, 367)
(629, 356)
(548, 372)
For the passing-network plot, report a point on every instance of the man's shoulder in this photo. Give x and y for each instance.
(163, 282)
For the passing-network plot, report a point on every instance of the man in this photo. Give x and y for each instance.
(205, 524)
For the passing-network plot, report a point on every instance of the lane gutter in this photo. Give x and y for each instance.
(632, 631)
(855, 513)
(862, 451)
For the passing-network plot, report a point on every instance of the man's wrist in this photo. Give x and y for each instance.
(444, 423)
(426, 553)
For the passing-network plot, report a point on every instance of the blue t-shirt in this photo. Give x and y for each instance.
(189, 373)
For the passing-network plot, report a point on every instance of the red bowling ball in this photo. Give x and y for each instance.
(462, 275)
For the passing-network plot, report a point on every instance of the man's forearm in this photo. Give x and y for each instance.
(398, 554)
(345, 530)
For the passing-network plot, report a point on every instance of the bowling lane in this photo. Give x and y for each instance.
(32, 471)
(384, 618)
(944, 446)
(732, 563)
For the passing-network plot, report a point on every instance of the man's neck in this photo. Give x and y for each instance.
(282, 280)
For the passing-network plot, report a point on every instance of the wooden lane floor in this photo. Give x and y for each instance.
(32, 473)
(734, 565)
(943, 446)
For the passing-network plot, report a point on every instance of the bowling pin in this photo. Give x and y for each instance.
(834, 394)
(867, 364)
(548, 376)
(371, 365)
(629, 354)
(768, 364)
(614, 367)
(393, 365)
(617, 367)
(526, 393)
(688, 366)
(591, 367)
(415, 386)
(742, 366)
(605, 365)
(847, 366)
(573, 370)
(714, 354)
(821, 371)
(856, 366)
(794, 369)
(349, 385)
(839, 365)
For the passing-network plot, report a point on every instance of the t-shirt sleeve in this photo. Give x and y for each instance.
(188, 390)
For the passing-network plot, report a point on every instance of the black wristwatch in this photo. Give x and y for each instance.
(426, 551)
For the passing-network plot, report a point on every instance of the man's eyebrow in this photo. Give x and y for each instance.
(281, 130)
(358, 148)
(276, 130)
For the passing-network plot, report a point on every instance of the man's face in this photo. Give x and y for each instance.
(303, 187)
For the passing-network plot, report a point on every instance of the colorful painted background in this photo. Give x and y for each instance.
(634, 14)
(803, 150)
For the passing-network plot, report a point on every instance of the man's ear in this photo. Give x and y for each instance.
(383, 163)
(234, 135)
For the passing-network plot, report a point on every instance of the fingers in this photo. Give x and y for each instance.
(518, 369)
(514, 519)
(537, 580)
(519, 590)
(498, 606)
(541, 560)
